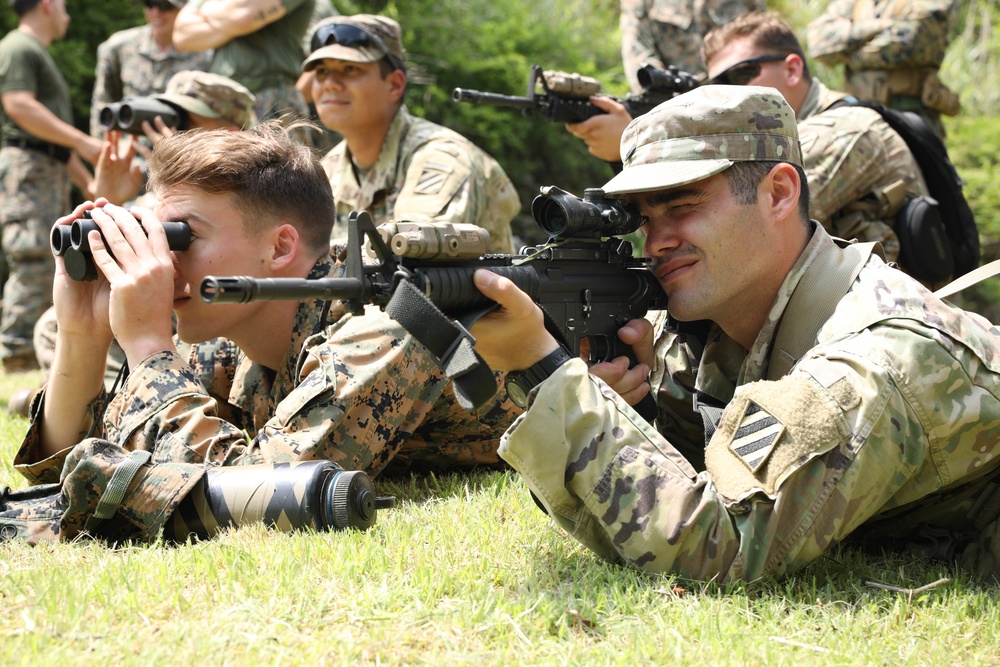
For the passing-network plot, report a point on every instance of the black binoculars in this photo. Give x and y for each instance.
(128, 115)
(70, 243)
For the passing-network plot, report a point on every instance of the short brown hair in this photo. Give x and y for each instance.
(271, 177)
(766, 30)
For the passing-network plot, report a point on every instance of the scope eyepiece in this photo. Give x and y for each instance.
(564, 215)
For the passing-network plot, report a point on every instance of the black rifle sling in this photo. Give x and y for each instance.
(450, 342)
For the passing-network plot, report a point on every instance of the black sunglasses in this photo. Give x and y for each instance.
(162, 5)
(352, 37)
(744, 71)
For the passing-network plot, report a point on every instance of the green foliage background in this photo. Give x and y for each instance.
(489, 45)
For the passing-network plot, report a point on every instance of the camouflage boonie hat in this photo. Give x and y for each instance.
(702, 133)
(211, 96)
(362, 38)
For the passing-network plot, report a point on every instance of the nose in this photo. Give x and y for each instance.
(661, 238)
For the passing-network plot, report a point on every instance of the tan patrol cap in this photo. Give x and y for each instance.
(362, 38)
(212, 96)
(702, 133)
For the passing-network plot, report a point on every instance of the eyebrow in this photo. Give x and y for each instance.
(668, 196)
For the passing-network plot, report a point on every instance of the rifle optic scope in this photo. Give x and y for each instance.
(562, 214)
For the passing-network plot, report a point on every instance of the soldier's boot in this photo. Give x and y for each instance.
(21, 400)
(982, 557)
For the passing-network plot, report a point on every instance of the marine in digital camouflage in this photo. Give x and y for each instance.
(891, 51)
(36, 191)
(884, 432)
(669, 32)
(131, 64)
(425, 173)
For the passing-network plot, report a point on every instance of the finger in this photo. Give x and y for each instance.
(639, 334)
(153, 136)
(154, 231)
(118, 234)
(612, 106)
(503, 291)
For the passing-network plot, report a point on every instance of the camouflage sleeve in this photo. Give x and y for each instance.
(107, 85)
(364, 390)
(795, 466)
(835, 36)
(918, 38)
(164, 409)
(450, 181)
(638, 41)
(28, 460)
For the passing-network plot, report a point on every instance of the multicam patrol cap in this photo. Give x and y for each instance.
(362, 38)
(702, 133)
(212, 96)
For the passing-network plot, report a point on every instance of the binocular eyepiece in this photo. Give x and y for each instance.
(70, 243)
(563, 215)
(128, 115)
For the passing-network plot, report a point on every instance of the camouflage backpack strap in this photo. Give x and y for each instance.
(820, 289)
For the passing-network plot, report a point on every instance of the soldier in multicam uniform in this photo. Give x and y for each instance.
(669, 32)
(391, 164)
(837, 397)
(303, 379)
(138, 62)
(257, 43)
(891, 51)
(40, 155)
(860, 170)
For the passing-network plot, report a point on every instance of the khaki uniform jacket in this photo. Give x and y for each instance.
(425, 173)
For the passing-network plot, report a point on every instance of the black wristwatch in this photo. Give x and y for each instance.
(519, 383)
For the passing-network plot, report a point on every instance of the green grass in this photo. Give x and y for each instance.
(465, 571)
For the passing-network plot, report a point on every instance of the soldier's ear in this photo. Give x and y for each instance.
(794, 69)
(780, 191)
(397, 85)
(286, 246)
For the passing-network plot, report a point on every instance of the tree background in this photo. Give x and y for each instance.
(489, 45)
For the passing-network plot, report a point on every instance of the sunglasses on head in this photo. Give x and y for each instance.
(353, 37)
(744, 71)
(162, 5)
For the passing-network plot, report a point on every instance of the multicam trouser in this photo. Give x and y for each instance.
(36, 191)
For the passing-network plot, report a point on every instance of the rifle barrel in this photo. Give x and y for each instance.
(243, 289)
(492, 99)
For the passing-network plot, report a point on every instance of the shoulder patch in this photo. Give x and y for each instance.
(755, 436)
(432, 178)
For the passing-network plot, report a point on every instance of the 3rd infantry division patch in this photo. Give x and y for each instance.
(755, 437)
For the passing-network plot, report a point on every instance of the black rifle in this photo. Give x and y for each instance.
(565, 98)
(587, 285)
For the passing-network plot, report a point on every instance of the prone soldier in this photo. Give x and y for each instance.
(834, 398)
(303, 380)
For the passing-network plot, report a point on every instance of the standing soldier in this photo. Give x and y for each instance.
(257, 43)
(139, 61)
(669, 32)
(891, 50)
(41, 152)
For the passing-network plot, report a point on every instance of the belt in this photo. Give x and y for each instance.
(57, 152)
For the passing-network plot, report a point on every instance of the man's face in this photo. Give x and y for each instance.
(772, 74)
(219, 246)
(352, 96)
(160, 15)
(59, 17)
(707, 247)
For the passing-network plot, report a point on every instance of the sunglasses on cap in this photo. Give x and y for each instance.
(162, 5)
(744, 71)
(353, 37)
